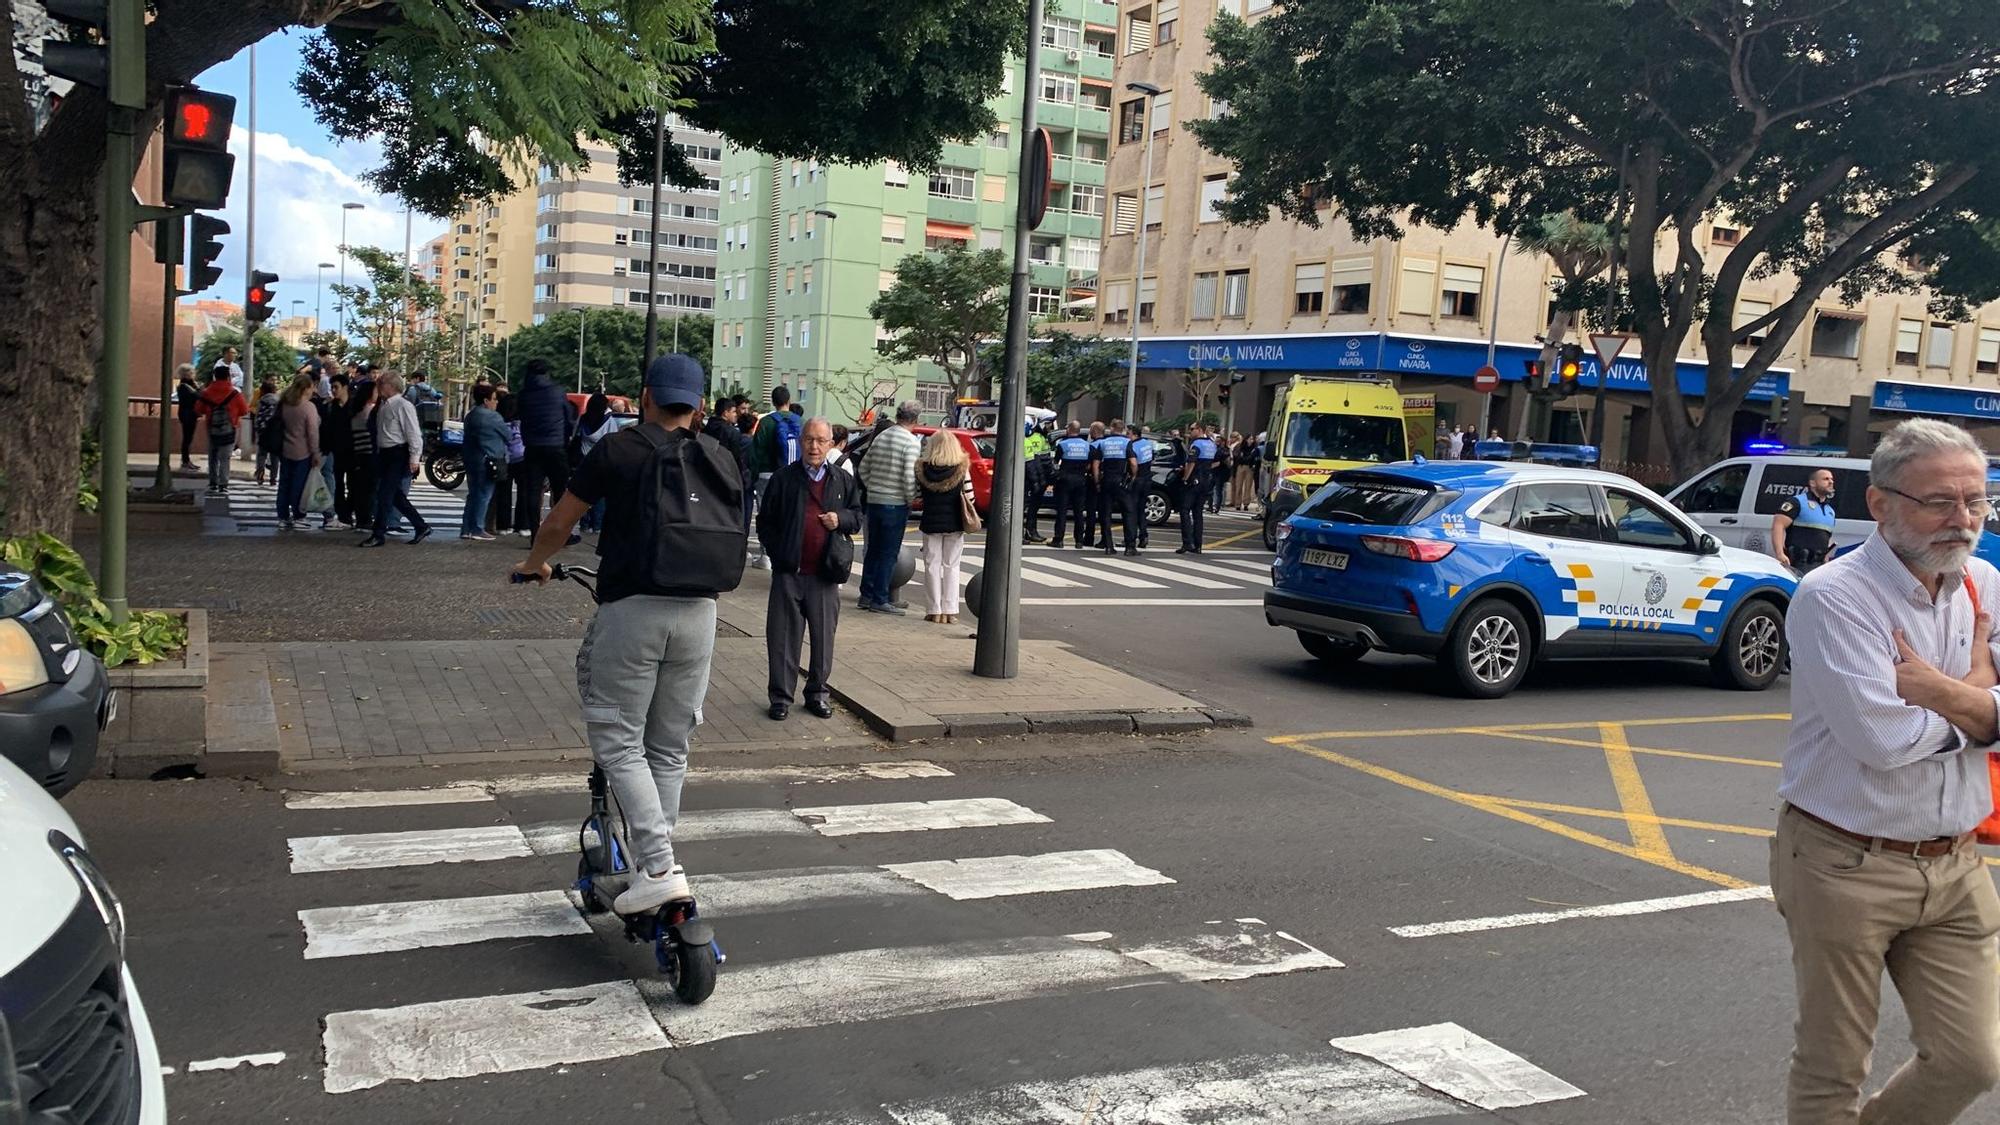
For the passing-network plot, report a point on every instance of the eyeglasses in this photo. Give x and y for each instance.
(1945, 507)
(809, 440)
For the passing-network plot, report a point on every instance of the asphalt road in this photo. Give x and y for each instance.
(1454, 857)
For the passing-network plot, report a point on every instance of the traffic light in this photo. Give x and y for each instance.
(197, 165)
(207, 243)
(104, 47)
(1569, 366)
(257, 305)
(1531, 369)
(1222, 393)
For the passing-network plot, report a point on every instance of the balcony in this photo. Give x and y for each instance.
(1094, 65)
(1078, 170)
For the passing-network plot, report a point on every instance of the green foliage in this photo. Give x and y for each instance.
(1066, 366)
(274, 357)
(944, 304)
(86, 482)
(614, 347)
(328, 338)
(1183, 420)
(375, 309)
(1838, 136)
(146, 636)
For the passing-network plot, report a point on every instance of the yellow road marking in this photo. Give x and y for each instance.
(1632, 795)
(1236, 538)
(1517, 815)
(1411, 732)
(1653, 751)
(1610, 814)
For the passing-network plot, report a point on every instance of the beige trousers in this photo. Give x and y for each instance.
(1852, 911)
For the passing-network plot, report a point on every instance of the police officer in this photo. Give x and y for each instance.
(1096, 497)
(1802, 531)
(1197, 476)
(1143, 453)
(1112, 467)
(1072, 484)
(1037, 455)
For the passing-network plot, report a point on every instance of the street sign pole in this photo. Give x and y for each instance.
(998, 649)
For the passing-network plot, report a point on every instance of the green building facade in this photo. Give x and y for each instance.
(794, 285)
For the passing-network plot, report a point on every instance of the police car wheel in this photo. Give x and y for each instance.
(1489, 650)
(1326, 650)
(1752, 654)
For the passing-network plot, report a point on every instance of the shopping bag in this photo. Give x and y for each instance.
(319, 497)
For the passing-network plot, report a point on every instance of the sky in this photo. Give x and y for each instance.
(303, 177)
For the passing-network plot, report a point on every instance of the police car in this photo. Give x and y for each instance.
(1492, 566)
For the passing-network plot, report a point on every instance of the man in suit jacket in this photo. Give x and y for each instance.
(805, 525)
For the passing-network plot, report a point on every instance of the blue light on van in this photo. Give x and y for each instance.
(1763, 448)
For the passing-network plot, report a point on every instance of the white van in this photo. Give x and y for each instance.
(1734, 500)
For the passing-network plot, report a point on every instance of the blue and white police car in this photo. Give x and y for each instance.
(1492, 566)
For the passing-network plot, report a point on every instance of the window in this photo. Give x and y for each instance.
(545, 292)
(805, 279)
(1059, 89)
(1062, 34)
(1156, 206)
(885, 281)
(791, 276)
(691, 211)
(1091, 150)
(951, 183)
(788, 333)
(1988, 360)
(545, 203)
(1164, 20)
(893, 227)
(1117, 302)
(1720, 491)
(1083, 254)
(695, 241)
(990, 239)
(728, 286)
(737, 336)
(1124, 213)
(1044, 250)
(895, 175)
(1309, 287)
(805, 333)
(792, 227)
(636, 265)
(465, 228)
(1149, 292)
(1201, 304)
(1217, 109)
(1636, 522)
(1559, 511)
(1087, 199)
(1781, 482)
(1235, 293)
(1138, 30)
(1747, 310)
(1345, 437)
(463, 275)
(548, 231)
(1724, 236)
(548, 262)
(1007, 81)
(461, 251)
(1252, 7)
(997, 138)
(1163, 111)
(1419, 277)
(1044, 300)
(1213, 188)
(729, 238)
(946, 236)
(642, 206)
(1131, 121)
(1460, 297)
(993, 188)
(1909, 336)
(1352, 284)
(1836, 336)
(743, 235)
(1937, 346)
(810, 216)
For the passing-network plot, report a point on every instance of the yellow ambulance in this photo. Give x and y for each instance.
(1320, 423)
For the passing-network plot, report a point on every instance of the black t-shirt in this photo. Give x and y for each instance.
(613, 472)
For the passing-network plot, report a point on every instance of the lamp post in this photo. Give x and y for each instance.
(582, 312)
(319, 296)
(826, 299)
(344, 209)
(1151, 92)
(653, 245)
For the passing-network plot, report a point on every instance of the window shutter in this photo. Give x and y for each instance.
(1414, 298)
(1124, 214)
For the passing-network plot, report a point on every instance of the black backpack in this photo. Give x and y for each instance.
(690, 529)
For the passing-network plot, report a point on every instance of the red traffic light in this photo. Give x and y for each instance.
(199, 119)
(259, 295)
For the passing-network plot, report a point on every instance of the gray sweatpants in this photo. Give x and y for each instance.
(642, 673)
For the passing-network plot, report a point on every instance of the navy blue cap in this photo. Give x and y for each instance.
(676, 380)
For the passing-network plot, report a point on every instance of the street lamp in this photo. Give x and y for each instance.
(319, 297)
(344, 209)
(826, 298)
(1151, 92)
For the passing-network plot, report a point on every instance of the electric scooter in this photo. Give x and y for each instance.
(683, 942)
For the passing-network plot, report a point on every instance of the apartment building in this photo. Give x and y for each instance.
(807, 248)
(592, 236)
(484, 263)
(1284, 298)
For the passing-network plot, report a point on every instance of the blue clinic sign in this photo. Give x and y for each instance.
(1412, 355)
(1921, 398)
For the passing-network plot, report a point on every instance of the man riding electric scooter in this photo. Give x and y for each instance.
(673, 539)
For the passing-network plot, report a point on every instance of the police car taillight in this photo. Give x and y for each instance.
(1415, 550)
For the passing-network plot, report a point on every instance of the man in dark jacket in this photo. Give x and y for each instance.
(724, 426)
(805, 523)
(546, 426)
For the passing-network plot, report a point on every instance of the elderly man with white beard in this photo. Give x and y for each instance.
(1885, 778)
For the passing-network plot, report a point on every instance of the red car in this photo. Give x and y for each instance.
(979, 446)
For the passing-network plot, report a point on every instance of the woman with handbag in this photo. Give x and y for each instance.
(944, 479)
(485, 455)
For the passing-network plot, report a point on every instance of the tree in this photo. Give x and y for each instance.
(275, 359)
(327, 338)
(1066, 366)
(851, 392)
(941, 308)
(1850, 143)
(462, 97)
(1580, 251)
(383, 311)
(614, 347)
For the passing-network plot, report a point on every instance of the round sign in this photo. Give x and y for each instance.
(1486, 379)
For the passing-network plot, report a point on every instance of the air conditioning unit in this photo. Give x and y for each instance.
(1073, 55)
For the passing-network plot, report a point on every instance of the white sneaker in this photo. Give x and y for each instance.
(647, 891)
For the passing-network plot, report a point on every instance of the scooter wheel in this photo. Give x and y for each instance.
(694, 972)
(593, 903)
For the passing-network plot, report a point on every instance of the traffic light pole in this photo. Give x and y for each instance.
(997, 651)
(170, 238)
(115, 436)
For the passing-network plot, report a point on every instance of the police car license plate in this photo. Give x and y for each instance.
(1332, 560)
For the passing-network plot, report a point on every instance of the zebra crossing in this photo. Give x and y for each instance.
(800, 965)
(254, 507)
(1220, 577)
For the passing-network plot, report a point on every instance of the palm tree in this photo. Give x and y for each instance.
(1580, 251)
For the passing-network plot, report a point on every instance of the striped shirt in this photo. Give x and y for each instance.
(1858, 756)
(889, 467)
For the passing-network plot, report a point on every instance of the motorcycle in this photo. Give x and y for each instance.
(444, 456)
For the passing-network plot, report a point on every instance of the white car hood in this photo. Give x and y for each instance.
(35, 883)
(1755, 562)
